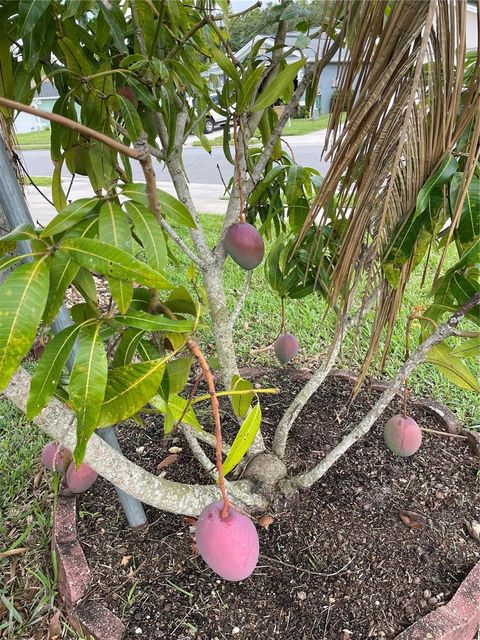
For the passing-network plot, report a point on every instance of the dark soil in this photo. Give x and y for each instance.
(338, 558)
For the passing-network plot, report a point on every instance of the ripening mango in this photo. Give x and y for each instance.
(286, 347)
(244, 245)
(228, 545)
(402, 435)
(81, 479)
(55, 460)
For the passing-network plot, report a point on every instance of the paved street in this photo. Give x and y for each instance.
(202, 169)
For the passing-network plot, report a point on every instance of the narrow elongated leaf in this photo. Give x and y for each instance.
(132, 121)
(243, 439)
(22, 232)
(127, 347)
(50, 366)
(29, 13)
(170, 207)
(227, 66)
(249, 86)
(111, 261)
(174, 410)
(129, 389)
(276, 88)
(452, 367)
(87, 386)
(241, 403)
(22, 300)
(143, 94)
(469, 348)
(149, 234)
(180, 301)
(70, 216)
(469, 224)
(440, 177)
(178, 371)
(148, 322)
(114, 229)
(58, 194)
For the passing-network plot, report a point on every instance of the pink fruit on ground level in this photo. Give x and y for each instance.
(81, 479)
(286, 347)
(244, 244)
(402, 435)
(55, 457)
(230, 545)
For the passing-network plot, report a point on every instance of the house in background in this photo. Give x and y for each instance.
(44, 100)
(309, 50)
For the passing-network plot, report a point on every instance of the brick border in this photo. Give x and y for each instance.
(459, 619)
(85, 615)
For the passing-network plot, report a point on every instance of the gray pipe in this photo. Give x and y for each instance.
(17, 212)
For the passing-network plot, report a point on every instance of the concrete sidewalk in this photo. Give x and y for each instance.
(206, 197)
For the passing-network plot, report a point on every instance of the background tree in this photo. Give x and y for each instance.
(132, 84)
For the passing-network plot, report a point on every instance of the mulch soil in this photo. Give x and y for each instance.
(342, 557)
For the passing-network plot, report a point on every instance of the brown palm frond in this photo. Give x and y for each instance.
(402, 84)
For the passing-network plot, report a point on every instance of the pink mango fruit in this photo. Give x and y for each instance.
(402, 435)
(81, 479)
(55, 460)
(230, 545)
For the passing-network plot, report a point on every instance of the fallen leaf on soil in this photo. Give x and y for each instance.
(412, 519)
(54, 627)
(346, 635)
(473, 529)
(167, 461)
(125, 560)
(37, 479)
(13, 552)
(175, 450)
(265, 521)
(190, 521)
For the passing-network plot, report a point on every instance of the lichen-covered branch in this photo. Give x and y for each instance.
(442, 332)
(174, 497)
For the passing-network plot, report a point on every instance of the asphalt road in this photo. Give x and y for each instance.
(201, 167)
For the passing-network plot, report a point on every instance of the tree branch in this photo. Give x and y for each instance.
(241, 300)
(291, 414)
(198, 452)
(174, 497)
(86, 132)
(442, 332)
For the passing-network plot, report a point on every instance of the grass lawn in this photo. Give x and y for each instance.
(39, 181)
(27, 594)
(296, 127)
(34, 140)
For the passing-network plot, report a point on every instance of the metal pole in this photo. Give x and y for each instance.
(16, 211)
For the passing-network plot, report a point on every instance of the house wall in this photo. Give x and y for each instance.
(25, 122)
(472, 27)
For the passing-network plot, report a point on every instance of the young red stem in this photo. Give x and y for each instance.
(195, 349)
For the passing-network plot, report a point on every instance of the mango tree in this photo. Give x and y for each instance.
(134, 80)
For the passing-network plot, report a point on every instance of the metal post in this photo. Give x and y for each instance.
(16, 211)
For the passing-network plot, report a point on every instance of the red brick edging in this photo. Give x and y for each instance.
(459, 619)
(86, 616)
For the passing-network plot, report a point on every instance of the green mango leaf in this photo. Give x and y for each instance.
(58, 194)
(441, 176)
(86, 389)
(114, 230)
(277, 87)
(243, 440)
(49, 369)
(132, 121)
(249, 86)
(63, 270)
(452, 367)
(77, 61)
(469, 348)
(110, 261)
(227, 66)
(8, 242)
(170, 207)
(85, 283)
(115, 19)
(241, 403)
(150, 235)
(23, 295)
(71, 216)
(143, 94)
(468, 228)
(173, 410)
(180, 301)
(129, 388)
(178, 371)
(29, 13)
(126, 347)
(148, 322)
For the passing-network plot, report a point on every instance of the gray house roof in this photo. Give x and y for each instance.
(301, 45)
(47, 90)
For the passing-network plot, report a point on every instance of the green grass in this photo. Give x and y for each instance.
(296, 127)
(39, 181)
(34, 140)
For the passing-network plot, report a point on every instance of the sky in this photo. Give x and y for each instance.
(240, 5)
